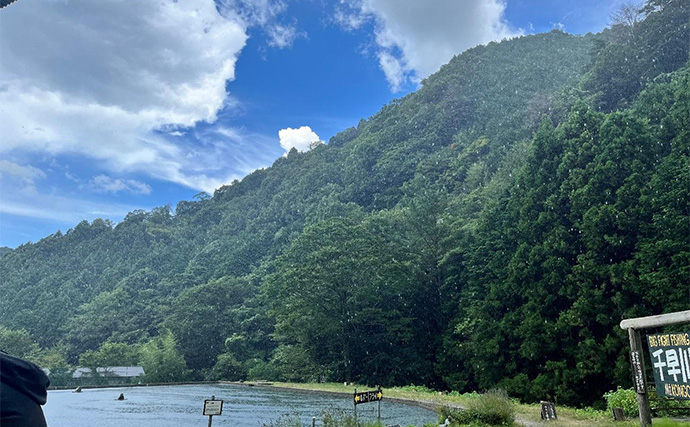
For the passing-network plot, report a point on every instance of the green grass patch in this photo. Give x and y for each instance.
(489, 409)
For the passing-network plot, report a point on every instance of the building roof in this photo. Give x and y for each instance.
(110, 371)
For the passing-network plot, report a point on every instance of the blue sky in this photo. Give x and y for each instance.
(106, 109)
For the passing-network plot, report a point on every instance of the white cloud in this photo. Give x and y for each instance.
(253, 12)
(349, 21)
(301, 138)
(63, 210)
(264, 14)
(414, 38)
(26, 174)
(282, 36)
(99, 78)
(106, 184)
(393, 68)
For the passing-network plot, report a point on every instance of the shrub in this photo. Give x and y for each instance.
(226, 368)
(622, 398)
(258, 369)
(662, 406)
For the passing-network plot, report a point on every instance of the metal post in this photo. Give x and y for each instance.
(210, 417)
(637, 360)
(355, 403)
(313, 421)
(379, 416)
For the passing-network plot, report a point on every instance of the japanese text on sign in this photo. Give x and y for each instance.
(670, 355)
(368, 396)
(213, 407)
(638, 374)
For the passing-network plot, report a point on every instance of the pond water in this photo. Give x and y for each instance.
(182, 405)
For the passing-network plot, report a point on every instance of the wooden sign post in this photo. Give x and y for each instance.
(637, 360)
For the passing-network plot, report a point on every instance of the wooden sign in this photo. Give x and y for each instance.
(638, 372)
(670, 356)
(548, 411)
(368, 396)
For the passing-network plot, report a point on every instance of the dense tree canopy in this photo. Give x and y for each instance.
(489, 230)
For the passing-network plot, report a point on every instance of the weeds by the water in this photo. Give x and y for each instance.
(332, 418)
(490, 409)
(286, 420)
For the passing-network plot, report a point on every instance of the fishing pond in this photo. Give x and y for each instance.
(182, 405)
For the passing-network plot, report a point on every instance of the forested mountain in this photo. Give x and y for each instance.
(490, 229)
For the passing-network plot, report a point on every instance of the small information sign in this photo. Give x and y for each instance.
(368, 396)
(670, 355)
(548, 411)
(638, 374)
(213, 407)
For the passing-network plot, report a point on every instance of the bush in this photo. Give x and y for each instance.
(663, 406)
(258, 369)
(490, 409)
(226, 368)
(622, 398)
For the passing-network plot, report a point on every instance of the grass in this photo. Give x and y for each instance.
(567, 417)
(490, 409)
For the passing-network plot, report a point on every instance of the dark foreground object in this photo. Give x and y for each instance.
(548, 411)
(23, 389)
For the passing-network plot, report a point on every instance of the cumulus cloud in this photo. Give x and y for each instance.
(302, 138)
(100, 78)
(106, 184)
(414, 38)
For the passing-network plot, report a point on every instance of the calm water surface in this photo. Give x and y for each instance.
(166, 406)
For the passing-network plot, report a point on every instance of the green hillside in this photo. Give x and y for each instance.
(489, 230)
(4, 250)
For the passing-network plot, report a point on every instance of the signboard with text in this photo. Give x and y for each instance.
(368, 396)
(213, 407)
(670, 356)
(638, 373)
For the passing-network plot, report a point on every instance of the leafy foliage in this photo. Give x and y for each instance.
(162, 361)
(489, 230)
(622, 398)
